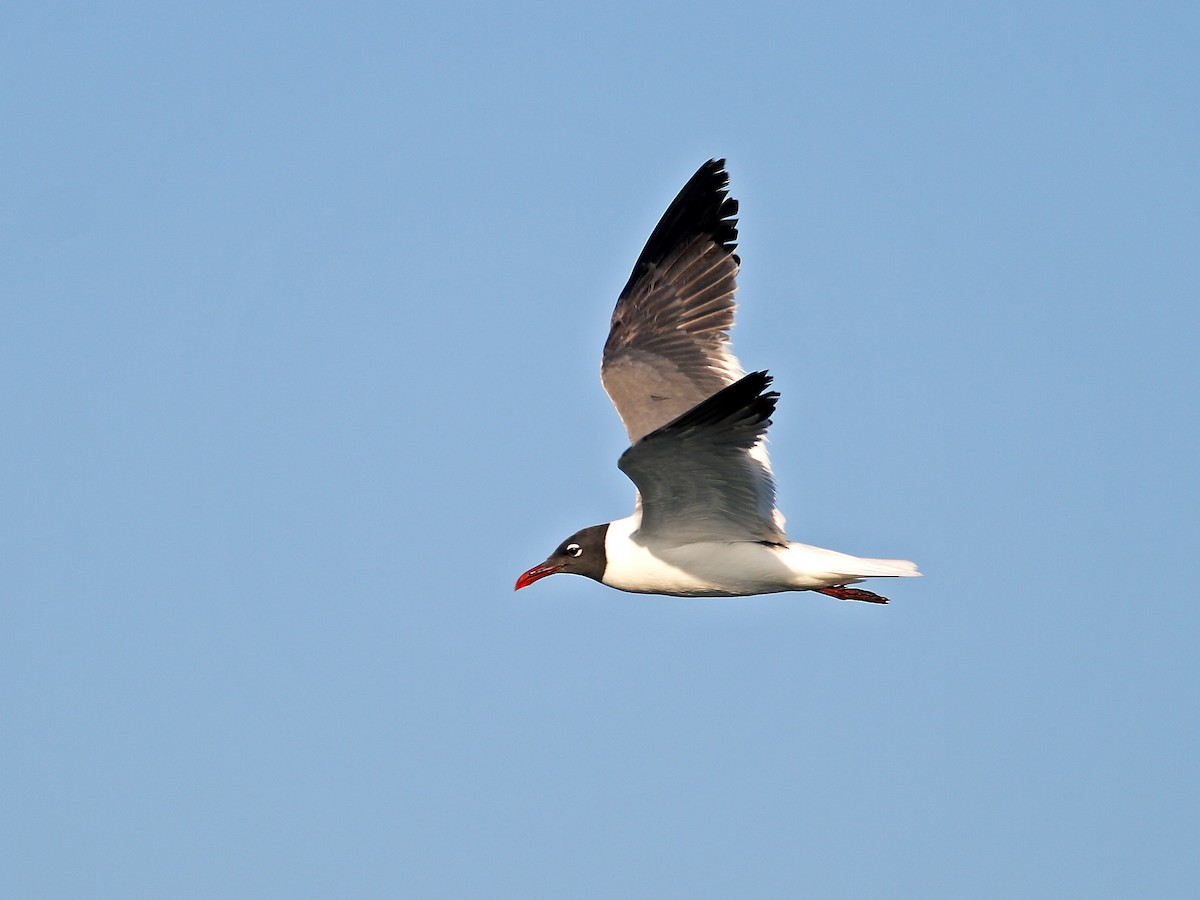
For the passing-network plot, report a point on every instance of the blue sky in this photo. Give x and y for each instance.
(302, 310)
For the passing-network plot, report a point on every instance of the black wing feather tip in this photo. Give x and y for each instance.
(746, 400)
(702, 207)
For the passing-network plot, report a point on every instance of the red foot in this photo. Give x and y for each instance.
(845, 593)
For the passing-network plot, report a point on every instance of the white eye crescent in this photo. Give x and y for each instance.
(574, 550)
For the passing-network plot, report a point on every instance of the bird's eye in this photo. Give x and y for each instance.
(574, 550)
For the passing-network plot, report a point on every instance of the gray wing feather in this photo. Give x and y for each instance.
(699, 477)
(668, 345)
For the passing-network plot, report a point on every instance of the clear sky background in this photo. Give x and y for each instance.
(301, 309)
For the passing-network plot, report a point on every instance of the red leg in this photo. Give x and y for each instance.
(846, 593)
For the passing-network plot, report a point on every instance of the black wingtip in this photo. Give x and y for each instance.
(702, 206)
(745, 401)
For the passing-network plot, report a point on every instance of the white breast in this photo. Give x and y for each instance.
(695, 569)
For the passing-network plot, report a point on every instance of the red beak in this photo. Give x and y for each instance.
(537, 572)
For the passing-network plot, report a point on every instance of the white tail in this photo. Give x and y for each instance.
(828, 566)
(883, 568)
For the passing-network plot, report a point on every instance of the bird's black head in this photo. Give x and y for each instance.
(580, 554)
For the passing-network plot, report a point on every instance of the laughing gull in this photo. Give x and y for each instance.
(705, 524)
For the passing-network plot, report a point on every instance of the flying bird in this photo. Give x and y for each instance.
(705, 523)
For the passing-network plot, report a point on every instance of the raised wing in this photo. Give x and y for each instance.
(668, 346)
(700, 477)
